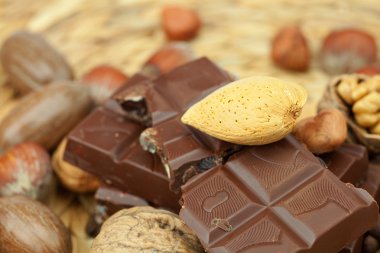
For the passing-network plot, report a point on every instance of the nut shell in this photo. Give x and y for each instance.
(103, 80)
(145, 229)
(71, 176)
(356, 133)
(168, 57)
(27, 226)
(31, 62)
(180, 23)
(323, 133)
(290, 49)
(347, 50)
(45, 116)
(251, 111)
(25, 169)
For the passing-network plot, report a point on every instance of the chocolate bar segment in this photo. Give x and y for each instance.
(372, 182)
(349, 163)
(114, 200)
(275, 198)
(354, 246)
(183, 150)
(106, 144)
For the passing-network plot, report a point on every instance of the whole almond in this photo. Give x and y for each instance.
(251, 111)
(323, 133)
(290, 49)
(31, 62)
(180, 23)
(45, 116)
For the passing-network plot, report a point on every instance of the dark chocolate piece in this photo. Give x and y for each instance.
(106, 145)
(114, 200)
(109, 201)
(184, 151)
(275, 198)
(349, 163)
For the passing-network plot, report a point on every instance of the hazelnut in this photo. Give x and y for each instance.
(180, 23)
(168, 57)
(145, 229)
(104, 80)
(323, 133)
(27, 226)
(345, 51)
(25, 169)
(290, 49)
(73, 177)
(369, 70)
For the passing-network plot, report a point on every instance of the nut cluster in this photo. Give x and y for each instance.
(363, 94)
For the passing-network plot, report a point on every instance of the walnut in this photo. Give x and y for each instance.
(145, 229)
(363, 93)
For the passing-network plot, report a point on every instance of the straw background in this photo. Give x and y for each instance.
(236, 34)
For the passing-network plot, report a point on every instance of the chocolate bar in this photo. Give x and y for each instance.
(354, 246)
(349, 163)
(275, 198)
(184, 151)
(111, 200)
(106, 144)
(372, 182)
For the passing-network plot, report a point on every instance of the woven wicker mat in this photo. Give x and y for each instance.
(235, 33)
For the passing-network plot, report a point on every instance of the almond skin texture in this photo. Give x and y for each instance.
(180, 23)
(103, 80)
(345, 51)
(323, 133)
(31, 62)
(25, 169)
(167, 58)
(45, 116)
(27, 226)
(251, 111)
(290, 50)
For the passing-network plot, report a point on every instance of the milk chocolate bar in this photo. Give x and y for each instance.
(183, 150)
(354, 246)
(349, 163)
(372, 182)
(275, 198)
(106, 144)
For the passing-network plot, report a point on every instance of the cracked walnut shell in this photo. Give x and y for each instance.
(145, 230)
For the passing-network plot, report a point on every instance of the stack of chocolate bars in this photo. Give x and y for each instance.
(272, 198)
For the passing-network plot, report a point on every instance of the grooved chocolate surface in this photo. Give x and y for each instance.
(161, 103)
(349, 163)
(106, 144)
(275, 198)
